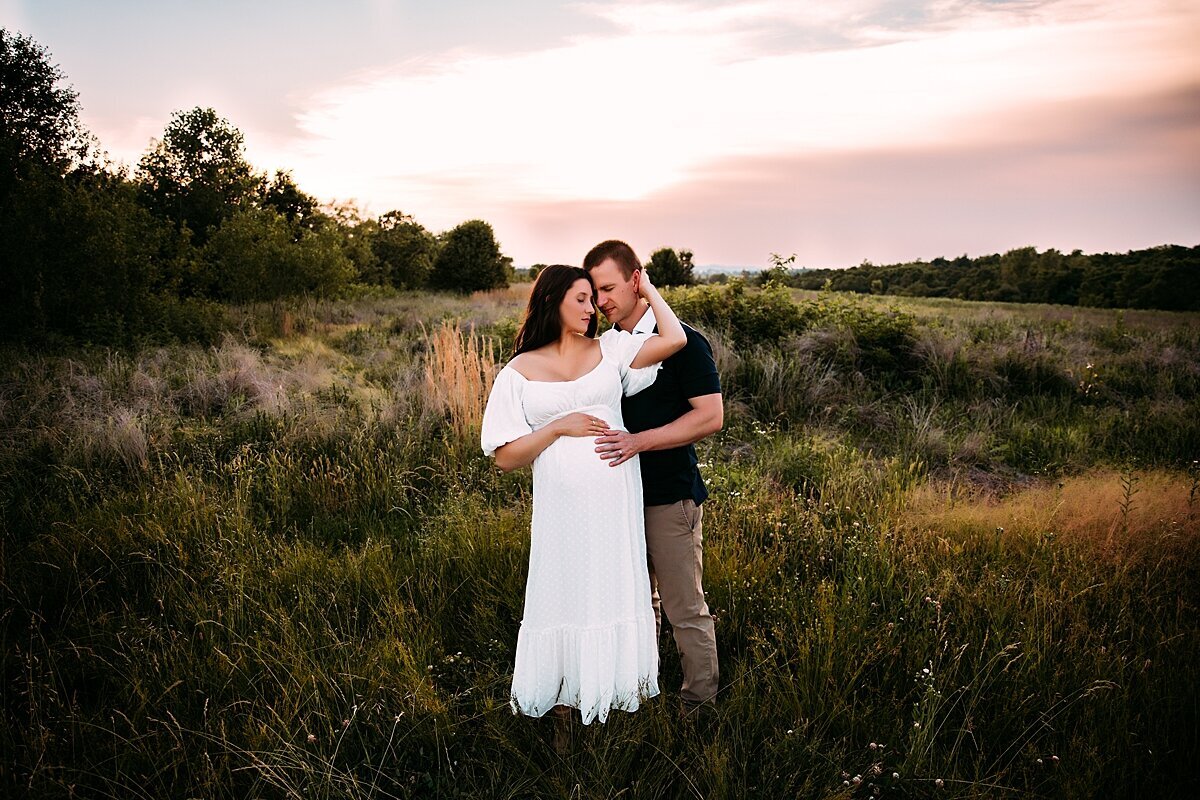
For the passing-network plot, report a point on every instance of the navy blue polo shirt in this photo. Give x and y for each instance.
(669, 476)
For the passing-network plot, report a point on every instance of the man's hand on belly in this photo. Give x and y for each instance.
(617, 447)
(706, 417)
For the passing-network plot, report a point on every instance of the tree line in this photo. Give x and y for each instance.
(95, 252)
(1165, 277)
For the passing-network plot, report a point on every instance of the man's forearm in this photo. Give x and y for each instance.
(688, 429)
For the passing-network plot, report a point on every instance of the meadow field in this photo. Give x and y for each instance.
(953, 549)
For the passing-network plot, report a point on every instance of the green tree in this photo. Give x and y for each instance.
(1018, 274)
(470, 260)
(79, 256)
(282, 194)
(666, 268)
(253, 256)
(357, 234)
(197, 174)
(405, 250)
(39, 114)
(39, 118)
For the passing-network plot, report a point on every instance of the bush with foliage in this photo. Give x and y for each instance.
(405, 250)
(470, 260)
(256, 255)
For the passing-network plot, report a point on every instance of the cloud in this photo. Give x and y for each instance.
(1108, 175)
(620, 116)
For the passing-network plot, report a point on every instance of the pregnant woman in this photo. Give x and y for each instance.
(587, 639)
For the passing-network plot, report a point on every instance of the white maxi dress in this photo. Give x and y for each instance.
(587, 638)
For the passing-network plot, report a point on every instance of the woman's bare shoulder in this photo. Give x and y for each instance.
(530, 364)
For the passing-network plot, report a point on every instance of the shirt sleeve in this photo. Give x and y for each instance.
(695, 367)
(504, 416)
(623, 347)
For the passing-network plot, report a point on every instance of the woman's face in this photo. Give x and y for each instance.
(577, 310)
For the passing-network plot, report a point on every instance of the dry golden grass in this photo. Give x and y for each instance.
(1103, 510)
(458, 376)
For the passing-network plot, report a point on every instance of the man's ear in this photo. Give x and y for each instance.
(637, 281)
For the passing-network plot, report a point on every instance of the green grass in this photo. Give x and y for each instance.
(279, 568)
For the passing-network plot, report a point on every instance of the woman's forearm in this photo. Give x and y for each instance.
(522, 452)
(669, 326)
(671, 337)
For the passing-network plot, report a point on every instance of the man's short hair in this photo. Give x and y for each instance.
(618, 251)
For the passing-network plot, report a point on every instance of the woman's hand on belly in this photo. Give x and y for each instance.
(578, 424)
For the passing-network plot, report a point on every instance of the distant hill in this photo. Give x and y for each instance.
(724, 269)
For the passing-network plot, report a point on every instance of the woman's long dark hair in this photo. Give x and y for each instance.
(542, 324)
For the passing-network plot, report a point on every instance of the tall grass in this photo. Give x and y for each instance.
(458, 376)
(280, 567)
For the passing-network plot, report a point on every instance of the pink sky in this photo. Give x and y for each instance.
(868, 129)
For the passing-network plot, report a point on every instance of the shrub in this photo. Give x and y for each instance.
(470, 260)
(750, 318)
(257, 255)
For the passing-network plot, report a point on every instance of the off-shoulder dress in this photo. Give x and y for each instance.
(587, 637)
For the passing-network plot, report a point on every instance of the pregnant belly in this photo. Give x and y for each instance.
(572, 466)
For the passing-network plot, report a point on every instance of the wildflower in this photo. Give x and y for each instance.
(1054, 759)
(345, 723)
(895, 776)
(312, 737)
(873, 746)
(916, 725)
(939, 783)
(790, 731)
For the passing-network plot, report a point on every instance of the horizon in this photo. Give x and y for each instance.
(879, 131)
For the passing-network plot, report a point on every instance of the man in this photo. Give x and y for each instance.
(665, 421)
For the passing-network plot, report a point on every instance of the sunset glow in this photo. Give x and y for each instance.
(735, 129)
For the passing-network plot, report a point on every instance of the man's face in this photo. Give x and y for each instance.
(616, 295)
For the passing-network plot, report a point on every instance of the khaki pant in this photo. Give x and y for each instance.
(674, 551)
